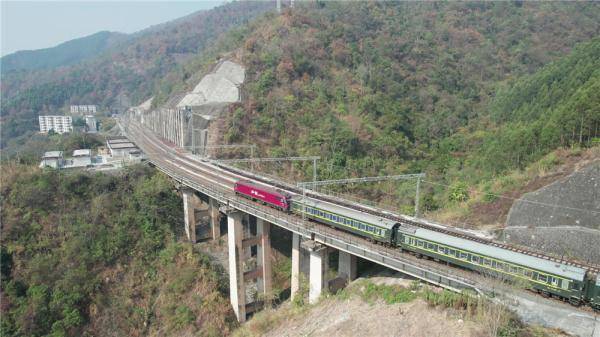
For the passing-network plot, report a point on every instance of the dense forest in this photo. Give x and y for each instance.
(465, 92)
(89, 255)
(373, 86)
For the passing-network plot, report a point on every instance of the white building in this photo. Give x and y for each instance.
(60, 124)
(90, 122)
(82, 158)
(52, 159)
(83, 109)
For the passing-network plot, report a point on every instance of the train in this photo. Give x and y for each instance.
(567, 282)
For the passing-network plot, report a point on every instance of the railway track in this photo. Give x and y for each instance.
(389, 216)
(231, 174)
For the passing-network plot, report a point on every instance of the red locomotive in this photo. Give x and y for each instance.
(269, 196)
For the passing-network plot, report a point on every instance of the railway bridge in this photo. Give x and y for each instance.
(207, 191)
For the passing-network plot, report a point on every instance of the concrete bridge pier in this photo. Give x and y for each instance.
(319, 266)
(215, 219)
(237, 286)
(347, 266)
(295, 286)
(191, 203)
(264, 261)
(240, 242)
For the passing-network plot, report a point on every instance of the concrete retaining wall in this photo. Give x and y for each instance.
(562, 218)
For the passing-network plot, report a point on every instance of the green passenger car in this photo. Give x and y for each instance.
(593, 291)
(548, 277)
(375, 228)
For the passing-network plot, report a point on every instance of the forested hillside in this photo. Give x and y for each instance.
(132, 68)
(374, 86)
(463, 91)
(97, 255)
(64, 54)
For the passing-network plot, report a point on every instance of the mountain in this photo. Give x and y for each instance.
(131, 68)
(64, 54)
(374, 88)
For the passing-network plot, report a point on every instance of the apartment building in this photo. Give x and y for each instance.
(60, 124)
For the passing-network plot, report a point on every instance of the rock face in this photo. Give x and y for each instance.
(221, 86)
(562, 218)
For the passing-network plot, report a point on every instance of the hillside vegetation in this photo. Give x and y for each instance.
(466, 92)
(89, 255)
(380, 86)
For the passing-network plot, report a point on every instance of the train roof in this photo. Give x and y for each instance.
(263, 188)
(348, 212)
(552, 267)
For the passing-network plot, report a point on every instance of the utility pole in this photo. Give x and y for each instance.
(417, 195)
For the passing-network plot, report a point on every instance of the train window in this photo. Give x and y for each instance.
(543, 278)
(556, 281)
(500, 265)
(487, 262)
(513, 269)
(565, 284)
(420, 243)
(430, 246)
(527, 273)
(464, 255)
(475, 259)
(452, 252)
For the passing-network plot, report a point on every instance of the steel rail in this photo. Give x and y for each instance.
(272, 159)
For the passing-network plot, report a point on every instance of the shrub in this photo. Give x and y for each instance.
(458, 192)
